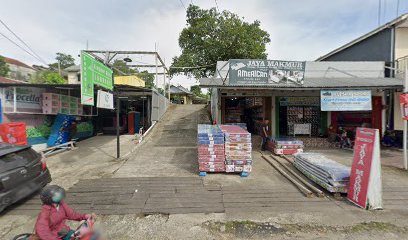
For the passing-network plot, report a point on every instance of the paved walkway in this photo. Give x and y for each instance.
(161, 177)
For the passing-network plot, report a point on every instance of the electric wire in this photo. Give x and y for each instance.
(216, 4)
(19, 46)
(21, 40)
(182, 4)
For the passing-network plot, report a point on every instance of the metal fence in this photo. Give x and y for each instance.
(159, 105)
(401, 66)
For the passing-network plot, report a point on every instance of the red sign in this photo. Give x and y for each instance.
(404, 105)
(361, 168)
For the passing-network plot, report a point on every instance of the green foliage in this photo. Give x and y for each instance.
(4, 68)
(196, 90)
(121, 69)
(65, 60)
(43, 130)
(49, 77)
(211, 36)
(147, 77)
(85, 127)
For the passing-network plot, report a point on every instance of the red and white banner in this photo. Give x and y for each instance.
(365, 187)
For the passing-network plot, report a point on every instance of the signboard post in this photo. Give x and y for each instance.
(345, 100)
(365, 189)
(265, 72)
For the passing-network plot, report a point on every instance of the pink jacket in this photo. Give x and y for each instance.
(51, 220)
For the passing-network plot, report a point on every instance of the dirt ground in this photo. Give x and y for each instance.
(170, 151)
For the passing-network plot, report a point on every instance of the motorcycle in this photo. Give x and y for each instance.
(84, 231)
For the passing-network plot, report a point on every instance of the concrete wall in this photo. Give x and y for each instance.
(398, 122)
(401, 42)
(74, 78)
(374, 48)
(20, 73)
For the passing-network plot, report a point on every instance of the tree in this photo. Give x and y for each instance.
(49, 77)
(64, 60)
(196, 90)
(4, 68)
(212, 36)
(147, 77)
(121, 69)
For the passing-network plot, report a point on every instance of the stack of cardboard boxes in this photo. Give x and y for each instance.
(284, 146)
(238, 148)
(211, 157)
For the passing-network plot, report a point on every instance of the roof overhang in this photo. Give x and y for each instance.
(313, 84)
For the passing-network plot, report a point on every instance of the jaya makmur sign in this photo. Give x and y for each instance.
(93, 72)
(365, 189)
(265, 72)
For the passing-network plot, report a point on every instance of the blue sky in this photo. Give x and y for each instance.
(300, 30)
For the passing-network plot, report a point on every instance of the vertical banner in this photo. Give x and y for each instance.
(93, 72)
(87, 85)
(365, 189)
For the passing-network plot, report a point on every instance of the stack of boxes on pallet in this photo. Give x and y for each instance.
(285, 146)
(211, 155)
(238, 148)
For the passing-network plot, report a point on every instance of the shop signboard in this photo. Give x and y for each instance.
(105, 100)
(404, 105)
(299, 101)
(265, 72)
(365, 189)
(93, 73)
(28, 100)
(345, 100)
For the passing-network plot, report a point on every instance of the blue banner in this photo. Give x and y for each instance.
(345, 100)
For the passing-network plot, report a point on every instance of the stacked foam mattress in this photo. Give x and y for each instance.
(211, 157)
(238, 148)
(329, 174)
(285, 146)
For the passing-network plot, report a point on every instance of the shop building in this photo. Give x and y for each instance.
(180, 95)
(387, 43)
(37, 105)
(300, 98)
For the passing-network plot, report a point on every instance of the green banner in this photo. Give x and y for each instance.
(265, 72)
(93, 72)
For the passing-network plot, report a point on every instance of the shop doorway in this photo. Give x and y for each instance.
(301, 111)
(252, 111)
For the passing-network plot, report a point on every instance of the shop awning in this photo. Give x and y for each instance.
(313, 83)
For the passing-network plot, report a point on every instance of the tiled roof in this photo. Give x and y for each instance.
(16, 62)
(7, 80)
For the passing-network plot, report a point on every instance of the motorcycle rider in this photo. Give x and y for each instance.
(50, 223)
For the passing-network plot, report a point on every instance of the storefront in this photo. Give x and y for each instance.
(291, 95)
(37, 105)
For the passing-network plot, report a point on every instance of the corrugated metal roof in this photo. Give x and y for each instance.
(179, 90)
(315, 83)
